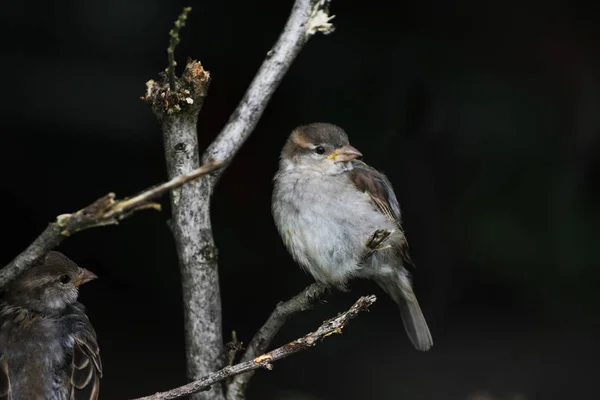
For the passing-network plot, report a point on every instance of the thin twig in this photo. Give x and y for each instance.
(124, 207)
(233, 347)
(301, 302)
(174, 33)
(104, 211)
(329, 327)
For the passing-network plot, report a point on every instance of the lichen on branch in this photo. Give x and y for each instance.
(189, 96)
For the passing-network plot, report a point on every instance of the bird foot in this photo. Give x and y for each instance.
(377, 238)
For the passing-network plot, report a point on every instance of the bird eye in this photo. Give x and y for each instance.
(320, 150)
(64, 279)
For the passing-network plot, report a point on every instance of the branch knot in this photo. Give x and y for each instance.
(189, 96)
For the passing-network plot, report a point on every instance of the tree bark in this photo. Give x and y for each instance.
(196, 250)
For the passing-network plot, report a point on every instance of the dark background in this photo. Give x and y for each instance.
(483, 114)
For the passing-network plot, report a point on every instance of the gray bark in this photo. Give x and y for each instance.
(192, 230)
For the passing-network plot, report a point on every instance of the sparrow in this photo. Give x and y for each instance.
(48, 347)
(340, 219)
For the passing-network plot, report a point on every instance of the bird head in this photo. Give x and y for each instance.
(50, 286)
(321, 147)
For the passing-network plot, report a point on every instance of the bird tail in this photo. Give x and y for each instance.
(399, 288)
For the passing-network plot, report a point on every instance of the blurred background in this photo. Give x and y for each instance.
(484, 115)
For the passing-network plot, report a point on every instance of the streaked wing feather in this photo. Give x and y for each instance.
(378, 187)
(87, 368)
(385, 209)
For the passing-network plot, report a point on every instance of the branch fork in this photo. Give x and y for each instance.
(327, 328)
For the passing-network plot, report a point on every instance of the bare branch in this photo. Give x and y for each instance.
(104, 211)
(191, 225)
(305, 20)
(329, 327)
(46, 241)
(191, 222)
(301, 302)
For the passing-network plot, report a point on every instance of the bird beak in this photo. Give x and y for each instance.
(345, 153)
(84, 276)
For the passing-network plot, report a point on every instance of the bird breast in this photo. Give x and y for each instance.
(325, 222)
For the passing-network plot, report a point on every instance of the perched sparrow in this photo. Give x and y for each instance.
(48, 348)
(339, 218)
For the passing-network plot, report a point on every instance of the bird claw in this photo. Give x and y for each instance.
(389, 246)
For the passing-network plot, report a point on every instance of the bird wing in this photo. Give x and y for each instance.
(375, 184)
(86, 367)
(5, 392)
(378, 187)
